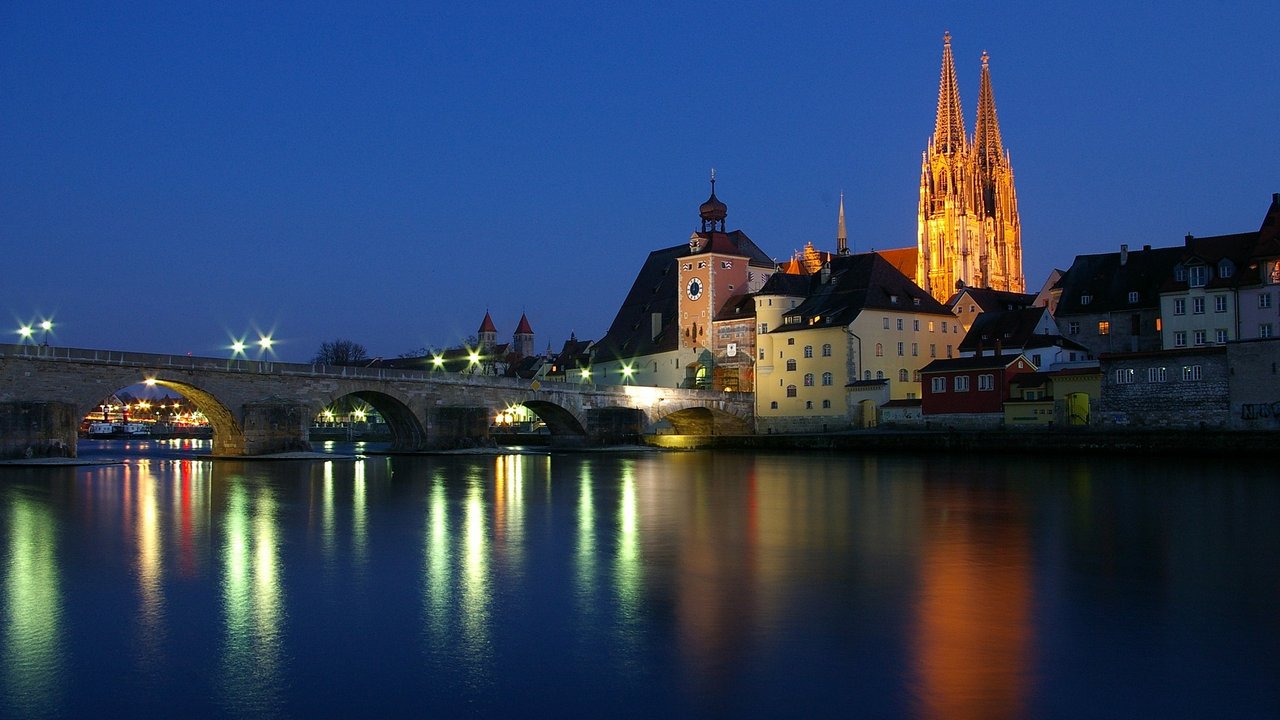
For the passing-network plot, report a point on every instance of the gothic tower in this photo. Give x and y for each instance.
(487, 335)
(968, 229)
(524, 337)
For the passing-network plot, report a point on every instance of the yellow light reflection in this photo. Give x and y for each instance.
(585, 562)
(437, 559)
(33, 604)
(475, 577)
(252, 602)
(359, 519)
(628, 571)
(150, 572)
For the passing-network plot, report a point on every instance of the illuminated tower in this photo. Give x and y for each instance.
(969, 230)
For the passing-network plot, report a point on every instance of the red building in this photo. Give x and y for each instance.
(970, 385)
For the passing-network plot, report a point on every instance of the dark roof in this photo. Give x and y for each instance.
(655, 290)
(865, 281)
(785, 283)
(868, 383)
(1010, 328)
(1107, 282)
(524, 328)
(487, 325)
(983, 362)
(738, 307)
(1032, 379)
(989, 300)
(1211, 251)
(909, 402)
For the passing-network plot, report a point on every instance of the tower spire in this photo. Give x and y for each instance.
(986, 134)
(842, 235)
(948, 132)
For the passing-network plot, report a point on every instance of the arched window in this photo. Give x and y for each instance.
(826, 378)
(773, 405)
(808, 379)
(879, 349)
(826, 403)
(791, 391)
(866, 375)
(808, 351)
(879, 374)
(791, 364)
(826, 350)
(902, 375)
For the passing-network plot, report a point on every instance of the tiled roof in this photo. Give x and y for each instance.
(487, 325)
(989, 300)
(738, 307)
(902, 259)
(1106, 282)
(524, 328)
(856, 283)
(983, 362)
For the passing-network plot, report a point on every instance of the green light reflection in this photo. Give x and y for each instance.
(252, 602)
(585, 561)
(628, 573)
(475, 575)
(360, 519)
(33, 602)
(436, 568)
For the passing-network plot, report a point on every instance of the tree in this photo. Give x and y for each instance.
(340, 352)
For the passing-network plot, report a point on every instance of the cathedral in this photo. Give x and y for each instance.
(969, 231)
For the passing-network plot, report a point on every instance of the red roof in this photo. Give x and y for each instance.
(487, 325)
(523, 328)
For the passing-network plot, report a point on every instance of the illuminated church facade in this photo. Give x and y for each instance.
(969, 232)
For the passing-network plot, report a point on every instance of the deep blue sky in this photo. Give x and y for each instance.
(176, 173)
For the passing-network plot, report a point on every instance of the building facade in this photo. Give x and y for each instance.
(969, 231)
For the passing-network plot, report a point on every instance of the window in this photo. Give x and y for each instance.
(827, 378)
(899, 323)
(879, 349)
(879, 374)
(1035, 359)
(866, 375)
(1133, 297)
(933, 350)
(986, 382)
(808, 351)
(1264, 301)
(915, 376)
(826, 403)
(761, 353)
(791, 391)
(1124, 376)
(1157, 375)
(948, 351)
(931, 326)
(915, 349)
(1220, 303)
(1179, 306)
(773, 405)
(1198, 275)
(915, 325)
(960, 383)
(826, 350)
(808, 379)
(886, 323)
(1180, 274)
(791, 364)
(901, 351)
(1226, 269)
(1104, 327)
(1191, 373)
(1073, 327)
(808, 404)
(791, 341)
(1264, 330)
(944, 326)
(1180, 338)
(1220, 335)
(893, 299)
(1086, 299)
(902, 375)
(1199, 336)
(938, 385)
(764, 328)
(1197, 305)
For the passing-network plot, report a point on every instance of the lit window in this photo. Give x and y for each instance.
(1104, 327)
(827, 378)
(931, 326)
(986, 382)
(938, 385)
(791, 391)
(960, 383)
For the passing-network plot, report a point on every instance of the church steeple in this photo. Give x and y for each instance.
(842, 235)
(986, 136)
(948, 131)
(713, 211)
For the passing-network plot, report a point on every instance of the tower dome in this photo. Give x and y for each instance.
(713, 211)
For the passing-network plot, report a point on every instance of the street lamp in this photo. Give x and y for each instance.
(46, 326)
(24, 333)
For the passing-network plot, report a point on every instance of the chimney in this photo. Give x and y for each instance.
(826, 273)
(1124, 254)
(1146, 248)
(1190, 237)
(998, 352)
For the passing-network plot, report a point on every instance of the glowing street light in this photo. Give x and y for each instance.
(586, 374)
(627, 372)
(237, 348)
(24, 332)
(46, 326)
(265, 342)
(437, 362)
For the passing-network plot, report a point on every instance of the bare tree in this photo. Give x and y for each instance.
(340, 352)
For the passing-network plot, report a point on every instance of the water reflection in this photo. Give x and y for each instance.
(33, 643)
(252, 602)
(436, 570)
(148, 537)
(475, 576)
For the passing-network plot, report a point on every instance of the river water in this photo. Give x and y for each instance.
(639, 584)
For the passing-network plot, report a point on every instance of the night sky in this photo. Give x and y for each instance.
(175, 175)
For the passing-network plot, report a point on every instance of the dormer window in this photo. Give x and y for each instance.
(893, 299)
(1133, 297)
(1086, 299)
(1180, 274)
(1226, 268)
(1198, 275)
(915, 301)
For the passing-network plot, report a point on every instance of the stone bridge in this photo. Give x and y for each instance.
(260, 407)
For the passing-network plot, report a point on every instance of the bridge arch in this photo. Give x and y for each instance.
(228, 435)
(707, 421)
(407, 431)
(559, 420)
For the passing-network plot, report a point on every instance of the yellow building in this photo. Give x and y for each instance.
(858, 320)
(968, 230)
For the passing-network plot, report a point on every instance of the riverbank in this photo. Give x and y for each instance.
(1159, 442)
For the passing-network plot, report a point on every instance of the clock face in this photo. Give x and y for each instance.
(694, 289)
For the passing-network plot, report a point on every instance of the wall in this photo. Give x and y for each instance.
(1174, 403)
(1255, 384)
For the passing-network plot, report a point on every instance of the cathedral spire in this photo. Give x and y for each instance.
(986, 135)
(842, 235)
(948, 133)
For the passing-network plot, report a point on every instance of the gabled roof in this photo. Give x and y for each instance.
(1106, 281)
(524, 328)
(982, 362)
(785, 284)
(1010, 328)
(989, 300)
(855, 283)
(903, 259)
(487, 325)
(738, 307)
(1212, 251)
(656, 290)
